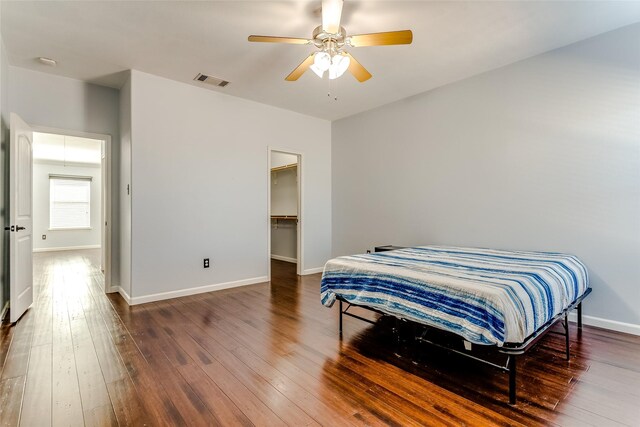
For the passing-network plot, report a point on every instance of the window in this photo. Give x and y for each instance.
(69, 202)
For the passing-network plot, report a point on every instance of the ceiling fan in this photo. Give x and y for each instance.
(331, 39)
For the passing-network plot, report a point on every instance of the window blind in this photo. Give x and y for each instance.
(70, 199)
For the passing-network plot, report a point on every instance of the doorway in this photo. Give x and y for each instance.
(285, 210)
(71, 200)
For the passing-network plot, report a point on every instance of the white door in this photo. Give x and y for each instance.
(20, 217)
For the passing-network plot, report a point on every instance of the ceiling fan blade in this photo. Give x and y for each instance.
(382, 39)
(274, 39)
(358, 71)
(300, 69)
(331, 15)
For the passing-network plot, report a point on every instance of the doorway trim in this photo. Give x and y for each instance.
(106, 189)
(300, 225)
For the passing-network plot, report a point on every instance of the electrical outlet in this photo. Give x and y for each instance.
(206, 263)
(44, 237)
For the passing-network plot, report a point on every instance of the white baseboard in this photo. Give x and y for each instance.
(125, 295)
(313, 271)
(613, 325)
(66, 248)
(284, 258)
(191, 291)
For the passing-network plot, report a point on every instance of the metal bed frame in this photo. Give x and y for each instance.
(511, 350)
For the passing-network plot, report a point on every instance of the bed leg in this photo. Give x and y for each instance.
(580, 315)
(511, 364)
(566, 334)
(340, 308)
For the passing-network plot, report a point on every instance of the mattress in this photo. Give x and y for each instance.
(489, 297)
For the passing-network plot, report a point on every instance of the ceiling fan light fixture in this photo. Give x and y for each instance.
(339, 64)
(317, 70)
(322, 61)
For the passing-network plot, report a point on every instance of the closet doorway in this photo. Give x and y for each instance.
(285, 209)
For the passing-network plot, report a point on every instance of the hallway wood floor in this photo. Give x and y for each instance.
(269, 354)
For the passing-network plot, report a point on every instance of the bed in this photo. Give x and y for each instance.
(503, 299)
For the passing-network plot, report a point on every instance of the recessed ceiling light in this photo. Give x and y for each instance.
(48, 61)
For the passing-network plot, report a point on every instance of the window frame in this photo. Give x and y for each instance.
(56, 177)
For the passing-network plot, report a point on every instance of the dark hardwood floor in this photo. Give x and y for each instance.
(269, 354)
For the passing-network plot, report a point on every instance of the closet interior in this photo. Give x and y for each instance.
(284, 207)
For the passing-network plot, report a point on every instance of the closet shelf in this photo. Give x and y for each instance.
(280, 168)
(284, 216)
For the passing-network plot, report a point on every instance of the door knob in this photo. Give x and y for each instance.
(18, 228)
(7, 228)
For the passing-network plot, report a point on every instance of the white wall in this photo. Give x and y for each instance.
(4, 174)
(200, 180)
(63, 238)
(124, 195)
(284, 201)
(543, 154)
(64, 103)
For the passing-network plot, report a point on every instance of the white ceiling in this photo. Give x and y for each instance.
(95, 41)
(66, 149)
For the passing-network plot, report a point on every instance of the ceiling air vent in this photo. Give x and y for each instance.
(211, 80)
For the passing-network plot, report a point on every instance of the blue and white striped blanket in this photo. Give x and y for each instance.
(486, 296)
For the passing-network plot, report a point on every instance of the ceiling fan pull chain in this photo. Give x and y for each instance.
(335, 98)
